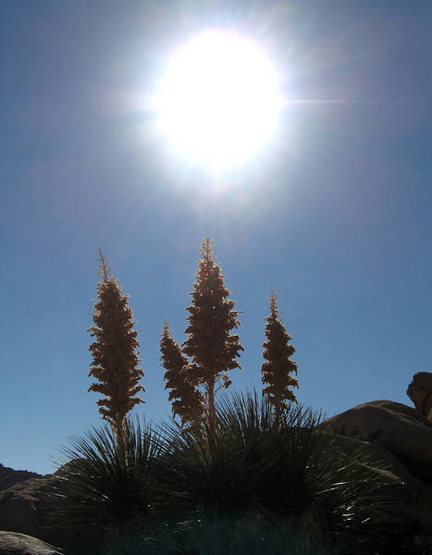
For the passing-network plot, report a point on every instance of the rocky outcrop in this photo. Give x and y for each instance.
(399, 429)
(20, 507)
(13, 543)
(420, 393)
(30, 507)
(379, 460)
(10, 477)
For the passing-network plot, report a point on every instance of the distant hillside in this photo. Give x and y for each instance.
(9, 477)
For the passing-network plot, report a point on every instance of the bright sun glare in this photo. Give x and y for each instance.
(219, 100)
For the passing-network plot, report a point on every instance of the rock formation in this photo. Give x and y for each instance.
(397, 428)
(14, 543)
(29, 507)
(9, 477)
(21, 507)
(420, 393)
(379, 459)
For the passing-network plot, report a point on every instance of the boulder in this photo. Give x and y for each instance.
(14, 543)
(20, 507)
(400, 429)
(30, 508)
(399, 482)
(420, 393)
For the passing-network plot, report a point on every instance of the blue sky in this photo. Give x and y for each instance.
(336, 217)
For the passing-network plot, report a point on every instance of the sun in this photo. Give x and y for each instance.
(219, 100)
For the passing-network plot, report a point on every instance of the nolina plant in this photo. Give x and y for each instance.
(253, 483)
(258, 482)
(278, 368)
(114, 351)
(105, 492)
(186, 400)
(210, 343)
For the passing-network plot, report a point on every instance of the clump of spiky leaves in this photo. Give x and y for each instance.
(187, 400)
(263, 478)
(278, 368)
(105, 491)
(254, 483)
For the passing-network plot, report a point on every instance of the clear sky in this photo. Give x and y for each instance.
(336, 216)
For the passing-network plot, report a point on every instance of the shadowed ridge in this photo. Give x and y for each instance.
(9, 477)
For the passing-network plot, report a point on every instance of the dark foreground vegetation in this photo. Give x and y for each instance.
(254, 483)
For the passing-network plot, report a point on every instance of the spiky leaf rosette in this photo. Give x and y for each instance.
(187, 401)
(278, 369)
(262, 484)
(210, 343)
(114, 351)
(105, 492)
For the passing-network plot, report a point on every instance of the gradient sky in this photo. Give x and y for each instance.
(336, 217)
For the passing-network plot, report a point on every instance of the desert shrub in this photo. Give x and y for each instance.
(253, 483)
(104, 492)
(275, 480)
